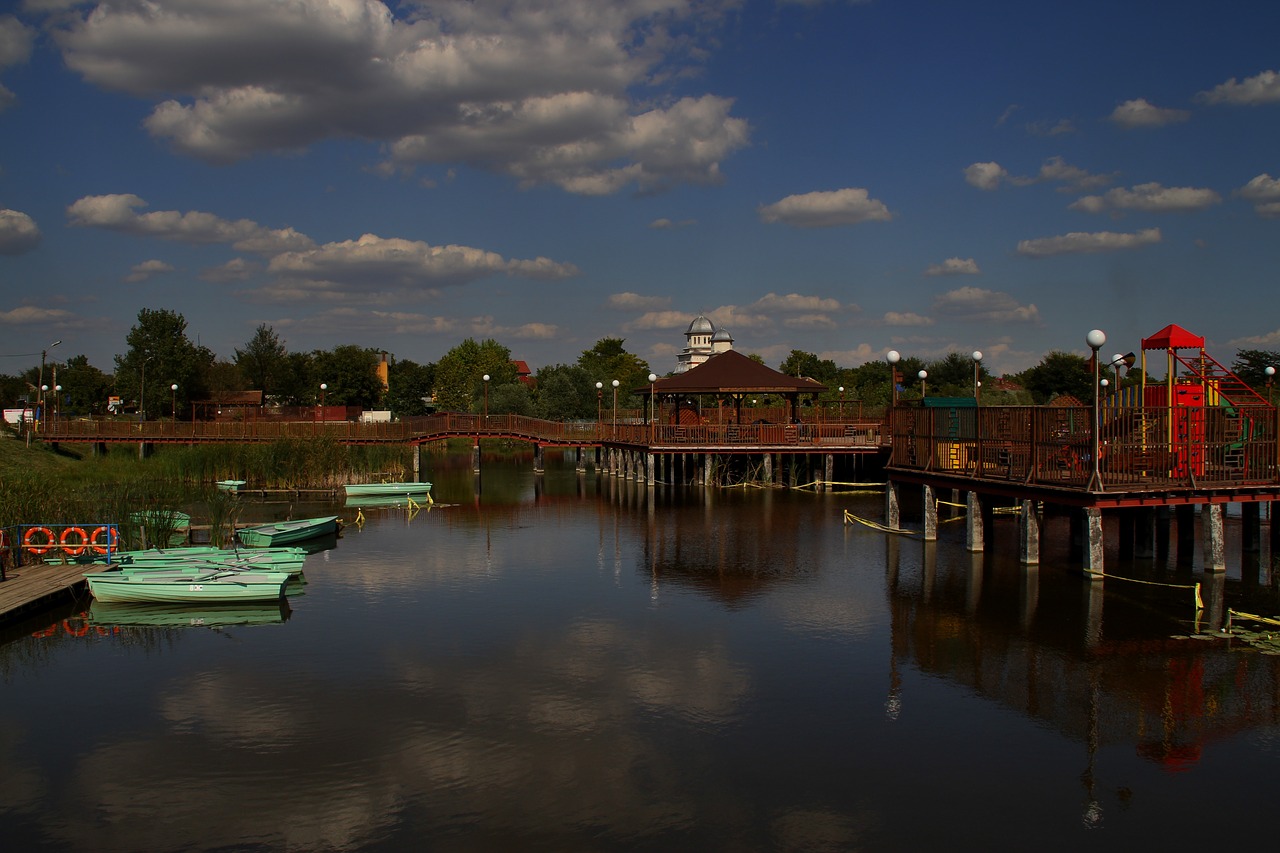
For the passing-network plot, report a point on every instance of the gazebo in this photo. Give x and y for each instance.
(736, 376)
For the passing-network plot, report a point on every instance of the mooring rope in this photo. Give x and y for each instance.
(1198, 600)
(875, 525)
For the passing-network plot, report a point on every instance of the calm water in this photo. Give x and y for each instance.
(578, 663)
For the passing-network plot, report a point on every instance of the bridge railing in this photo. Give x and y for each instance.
(1138, 447)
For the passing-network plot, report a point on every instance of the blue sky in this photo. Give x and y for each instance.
(838, 177)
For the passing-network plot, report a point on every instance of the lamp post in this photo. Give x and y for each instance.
(173, 391)
(142, 390)
(40, 381)
(1095, 339)
(486, 397)
(1271, 375)
(599, 405)
(57, 392)
(841, 390)
(923, 375)
(977, 376)
(615, 385)
(893, 357)
(324, 415)
(44, 416)
(653, 377)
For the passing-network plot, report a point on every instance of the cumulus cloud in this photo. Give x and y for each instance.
(985, 176)
(379, 264)
(895, 318)
(25, 315)
(628, 301)
(953, 266)
(348, 321)
(1139, 113)
(1263, 88)
(1079, 242)
(976, 304)
(147, 269)
(660, 321)
(1051, 128)
(1264, 192)
(1269, 339)
(236, 269)
(989, 176)
(795, 302)
(527, 331)
(1151, 197)
(118, 212)
(537, 90)
(18, 233)
(826, 209)
(15, 48)
(810, 321)
(665, 224)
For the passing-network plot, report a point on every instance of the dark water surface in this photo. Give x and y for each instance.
(578, 663)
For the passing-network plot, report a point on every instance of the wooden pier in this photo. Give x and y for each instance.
(37, 585)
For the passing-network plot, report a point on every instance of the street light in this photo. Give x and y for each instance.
(173, 390)
(486, 396)
(893, 357)
(653, 377)
(40, 381)
(44, 416)
(1271, 375)
(1095, 339)
(977, 375)
(599, 404)
(615, 383)
(841, 389)
(57, 392)
(142, 390)
(922, 375)
(324, 415)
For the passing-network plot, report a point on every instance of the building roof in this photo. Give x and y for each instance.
(700, 326)
(733, 372)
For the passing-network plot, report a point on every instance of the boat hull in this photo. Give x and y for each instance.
(157, 587)
(267, 535)
(378, 490)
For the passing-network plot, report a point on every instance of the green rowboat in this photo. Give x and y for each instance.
(284, 532)
(215, 587)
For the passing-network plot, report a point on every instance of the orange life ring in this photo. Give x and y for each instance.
(75, 549)
(113, 539)
(4, 538)
(39, 548)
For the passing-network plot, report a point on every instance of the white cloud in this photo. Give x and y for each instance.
(358, 322)
(116, 212)
(18, 233)
(15, 48)
(1051, 128)
(1078, 242)
(795, 302)
(976, 304)
(985, 176)
(1263, 88)
(1267, 340)
(660, 321)
(236, 269)
(664, 224)
(1264, 192)
(628, 301)
(537, 90)
(29, 314)
(1139, 113)
(810, 321)
(527, 332)
(380, 264)
(954, 266)
(147, 269)
(1150, 197)
(895, 318)
(825, 209)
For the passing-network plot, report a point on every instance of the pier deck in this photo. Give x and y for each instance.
(37, 585)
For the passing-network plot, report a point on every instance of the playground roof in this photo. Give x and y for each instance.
(731, 372)
(1173, 337)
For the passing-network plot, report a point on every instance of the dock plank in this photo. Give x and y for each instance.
(41, 584)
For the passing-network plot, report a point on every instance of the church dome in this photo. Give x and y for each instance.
(722, 336)
(700, 326)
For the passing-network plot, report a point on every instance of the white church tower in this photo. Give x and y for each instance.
(702, 341)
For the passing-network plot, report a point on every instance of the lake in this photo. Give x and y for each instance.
(574, 662)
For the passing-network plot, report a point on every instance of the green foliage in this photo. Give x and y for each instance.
(1251, 364)
(160, 351)
(85, 388)
(952, 376)
(607, 361)
(1059, 373)
(351, 372)
(263, 361)
(510, 399)
(459, 386)
(409, 386)
(565, 391)
(806, 364)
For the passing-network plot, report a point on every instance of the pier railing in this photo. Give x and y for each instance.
(1138, 447)
(627, 429)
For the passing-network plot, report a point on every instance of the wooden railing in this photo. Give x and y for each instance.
(628, 430)
(1143, 447)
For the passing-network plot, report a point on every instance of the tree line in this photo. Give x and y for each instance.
(160, 355)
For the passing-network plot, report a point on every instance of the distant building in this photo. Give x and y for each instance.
(702, 341)
(523, 373)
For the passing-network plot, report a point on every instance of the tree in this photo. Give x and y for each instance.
(409, 386)
(262, 361)
(296, 384)
(351, 372)
(459, 383)
(1059, 373)
(512, 398)
(85, 388)
(160, 351)
(608, 360)
(800, 363)
(1251, 365)
(565, 391)
(952, 376)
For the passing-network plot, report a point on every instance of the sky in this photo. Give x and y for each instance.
(841, 178)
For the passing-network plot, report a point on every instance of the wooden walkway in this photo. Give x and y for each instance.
(38, 585)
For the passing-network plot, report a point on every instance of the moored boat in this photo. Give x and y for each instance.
(281, 559)
(160, 615)
(284, 532)
(229, 485)
(218, 586)
(374, 490)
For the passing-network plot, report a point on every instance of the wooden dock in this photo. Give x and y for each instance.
(38, 585)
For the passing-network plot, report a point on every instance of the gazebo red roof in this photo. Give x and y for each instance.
(731, 372)
(1173, 337)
